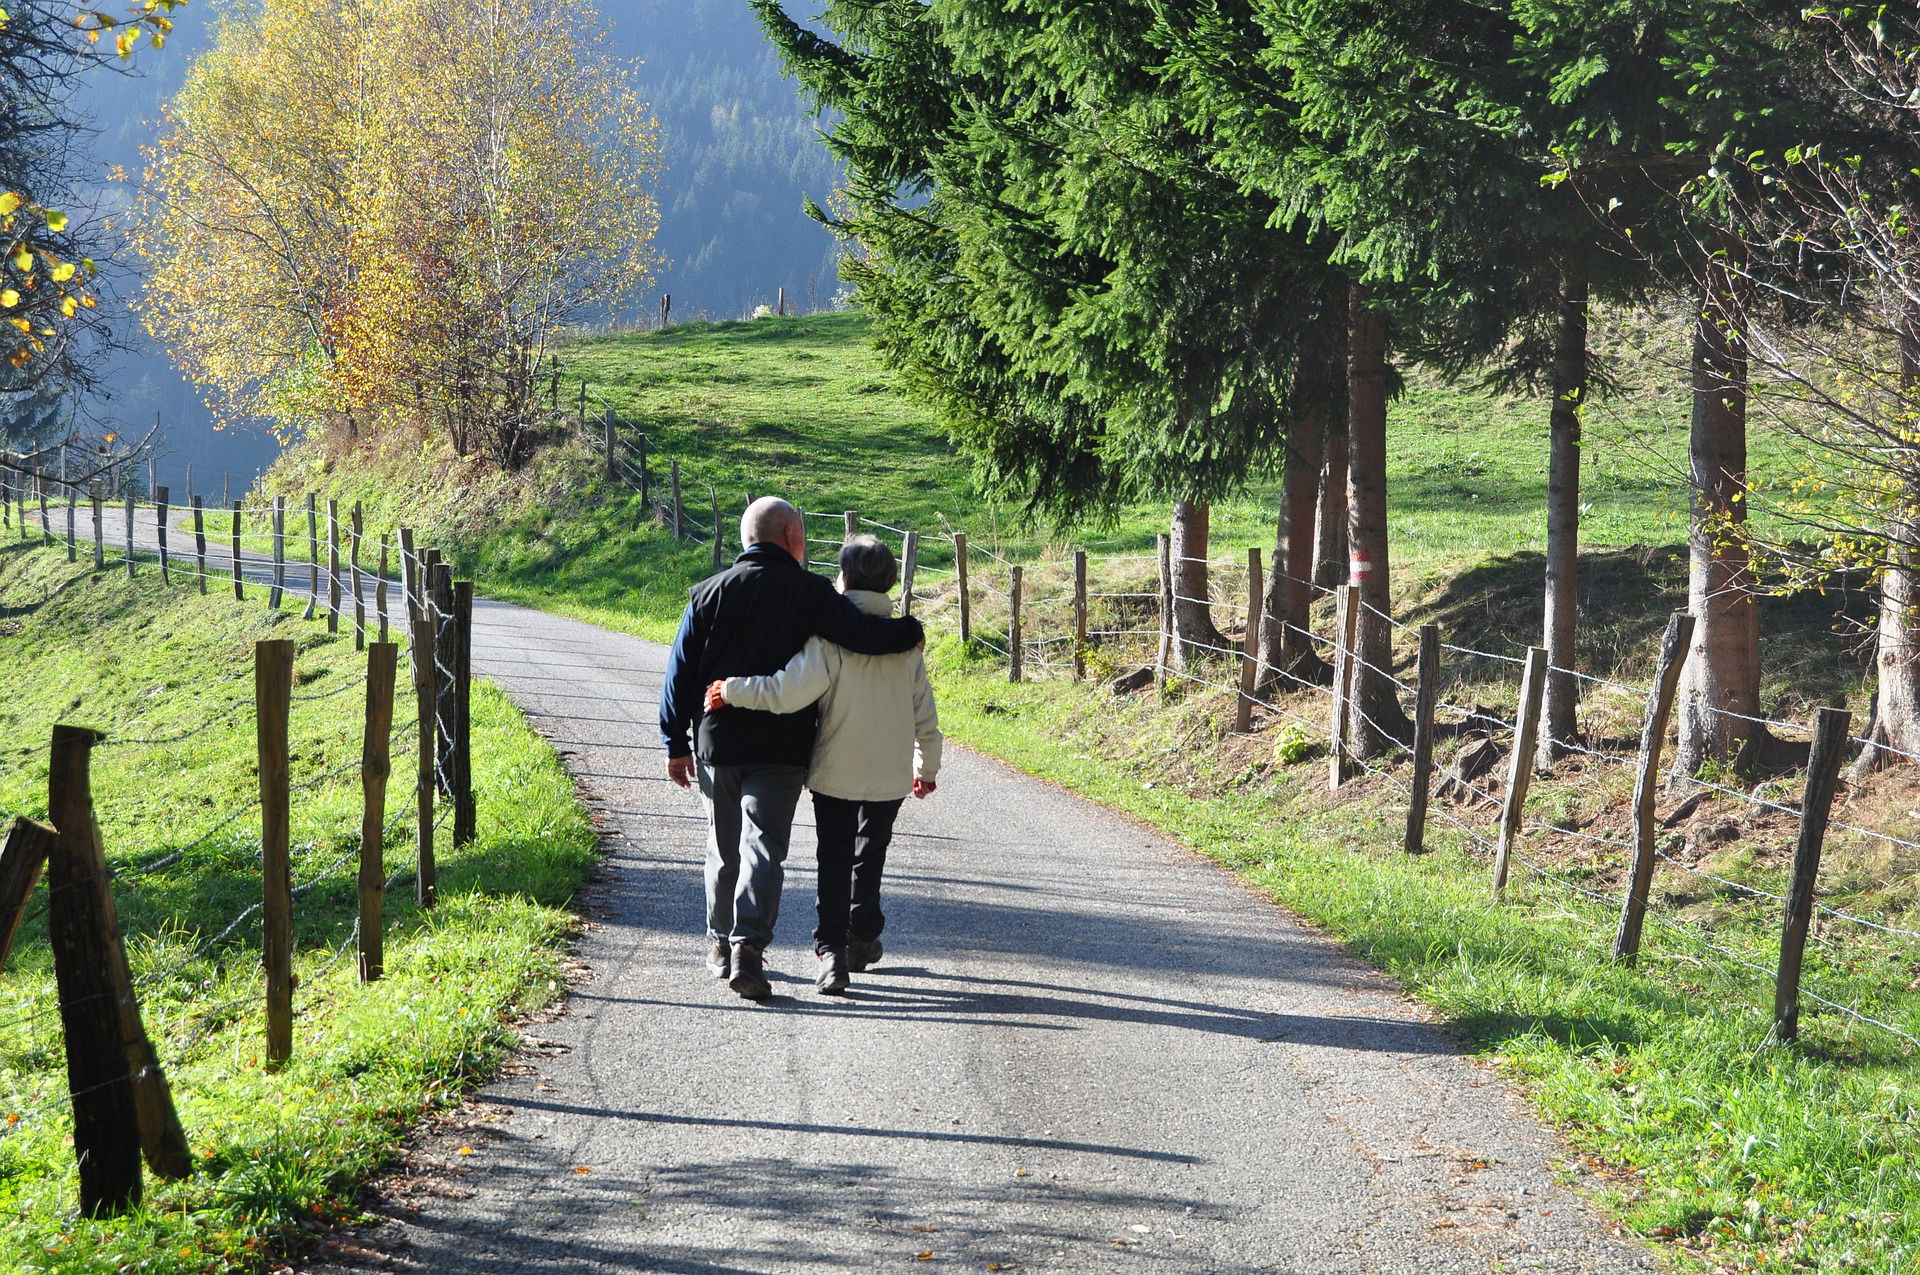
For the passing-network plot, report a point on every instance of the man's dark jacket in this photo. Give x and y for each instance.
(747, 621)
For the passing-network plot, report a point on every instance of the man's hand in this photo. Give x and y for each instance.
(680, 771)
(716, 696)
(924, 788)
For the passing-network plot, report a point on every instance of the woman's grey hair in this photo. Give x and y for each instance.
(867, 564)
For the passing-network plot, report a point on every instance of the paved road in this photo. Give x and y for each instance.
(1086, 1050)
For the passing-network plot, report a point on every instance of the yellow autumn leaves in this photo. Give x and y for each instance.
(36, 282)
(374, 215)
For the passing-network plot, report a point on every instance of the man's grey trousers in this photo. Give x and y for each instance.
(749, 823)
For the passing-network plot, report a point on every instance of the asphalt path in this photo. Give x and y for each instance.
(1085, 1050)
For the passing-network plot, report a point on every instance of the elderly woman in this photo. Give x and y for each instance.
(879, 740)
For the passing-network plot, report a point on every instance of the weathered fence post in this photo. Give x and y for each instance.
(313, 559)
(960, 574)
(277, 590)
(1340, 725)
(1533, 686)
(73, 498)
(1016, 646)
(679, 512)
(239, 588)
(781, 307)
(160, 533)
(446, 711)
(646, 481)
(355, 530)
(909, 560)
(121, 1104)
(200, 542)
(128, 503)
(46, 524)
(1079, 614)
(1823, 777)
(189, 482)
(376, 764)
(22, 859)
(850, 521)
(380, 589)
(273, 694)
(719, 532)
(333, 566)
(1164, 657)
(99, 535)
(1250, 654)
(666, 307)
(1426, 701)
(464, 814)
(426, 692)
(1674, 645)
(613, 472)
(409, 576)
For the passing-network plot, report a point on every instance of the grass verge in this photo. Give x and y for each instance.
(166, 674)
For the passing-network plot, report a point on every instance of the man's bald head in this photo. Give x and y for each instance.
(771, 520)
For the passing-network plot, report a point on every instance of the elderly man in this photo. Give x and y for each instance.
(749, 620)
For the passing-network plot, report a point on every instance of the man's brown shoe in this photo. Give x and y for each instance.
(749, 974)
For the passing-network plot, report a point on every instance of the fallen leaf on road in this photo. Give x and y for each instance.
(581, 1168)
(925, 1228)
(466, 1150)
(924, 1255)
(1019, 1173)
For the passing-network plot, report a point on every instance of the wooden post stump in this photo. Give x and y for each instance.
(1674, 645)
(1823, 779)
(960, 576)
(1426, 701)
(376, 764)
(1533, 686)
(273, 696)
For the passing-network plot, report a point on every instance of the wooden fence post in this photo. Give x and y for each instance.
(409, 576)
(679, 512)
(333, 566)
(239, 588)
(189, 482)
(909, 560)
(1533, 686)
(850, 521)
(22, 859)
(613, 472)
(128, 503)
(160, 533)
(1340, 725)
(464, 814)
(200, 542)
(376, 764)
(1823, 777)
(73, 500)
(804, 546)
(1426, 701)
(99, 535)
(380, 589)
(1250, 655)
(719, 533)
(313, 559)
(1016, 651)
(960, 572)
(426, 692)
(46, 524)
(1674, 645)
(646, 481)
(1079, 614)
(121, 1104)
(446, 710)
(666, 307)
(356, 528)
(278, 589)
(273, 694)
(1164, 657)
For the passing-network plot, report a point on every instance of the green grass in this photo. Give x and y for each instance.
(1740, 1158)
(276, 1152)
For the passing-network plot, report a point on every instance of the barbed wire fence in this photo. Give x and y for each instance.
(117, 1099)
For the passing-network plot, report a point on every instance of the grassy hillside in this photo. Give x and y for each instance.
(1739, 1157)
(167, 675)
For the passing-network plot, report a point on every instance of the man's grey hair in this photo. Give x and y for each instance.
(867, 564)
(769, 520)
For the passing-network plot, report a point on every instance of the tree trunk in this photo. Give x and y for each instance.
(1722, 675)
(1563, 509)
(1896, 658)
(1380, 719)
(1192, 612)
(1319, 394)
(1330, 525)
